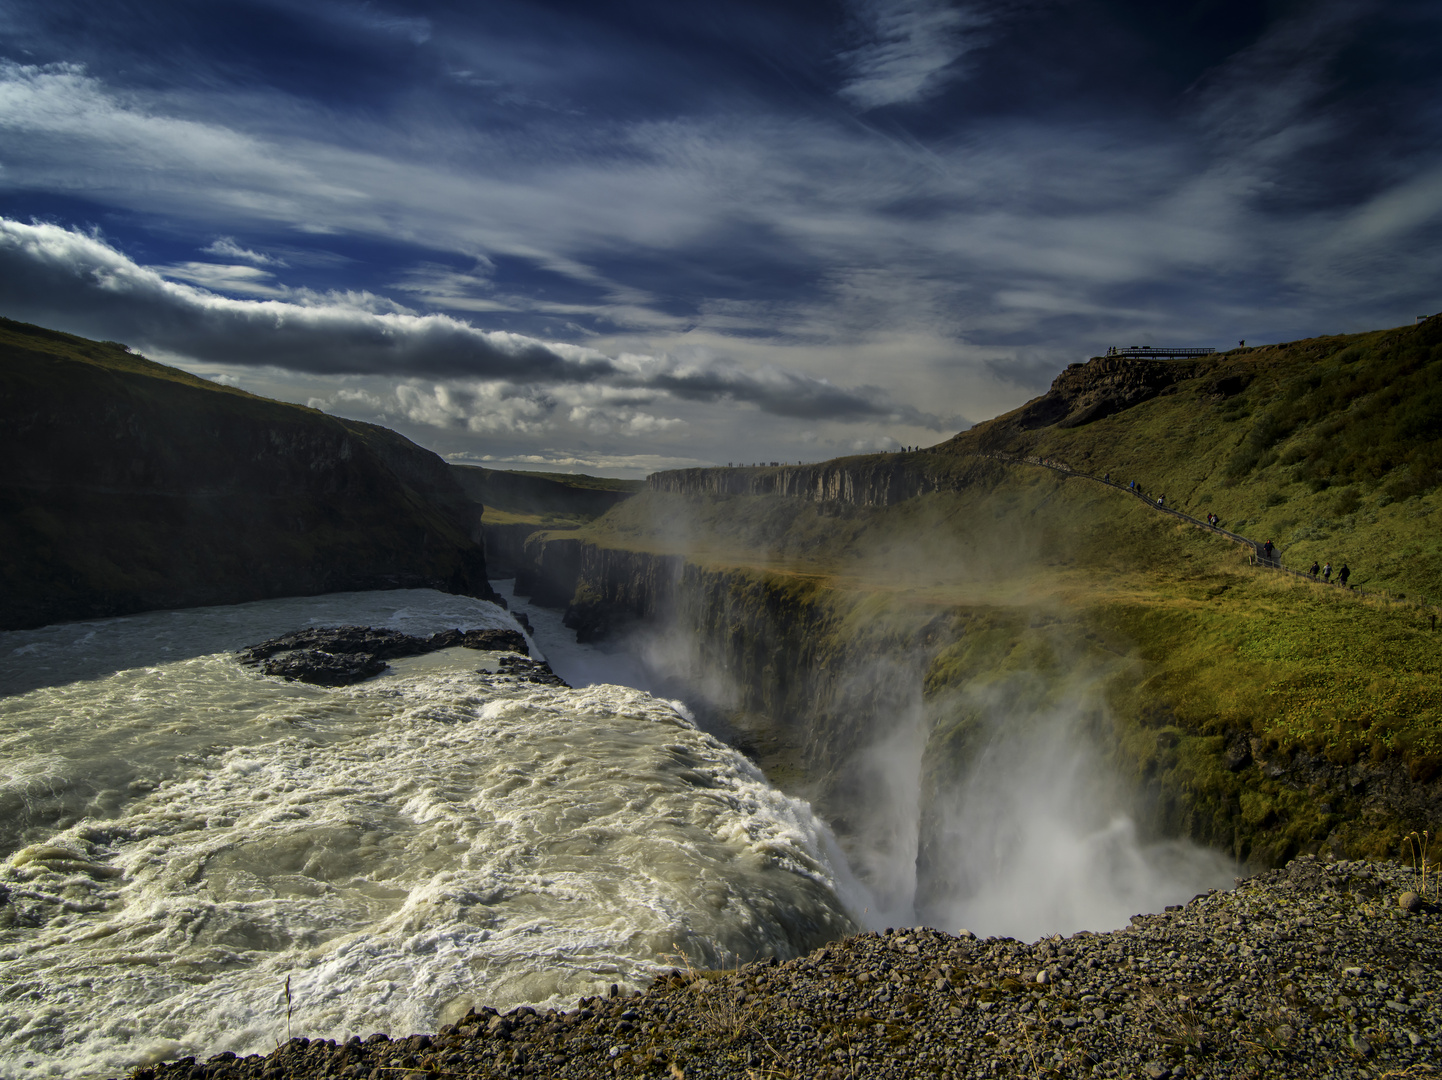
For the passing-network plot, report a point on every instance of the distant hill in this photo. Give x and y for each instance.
(129, 486)
(518, 504)
(542, 498)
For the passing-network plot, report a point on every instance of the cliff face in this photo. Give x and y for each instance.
(873, 480)
(132, 486)
(505, 544)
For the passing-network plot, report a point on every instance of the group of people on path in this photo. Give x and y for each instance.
(1269, 555)
(1134, 486)
(1268, 551)
(1326, 571)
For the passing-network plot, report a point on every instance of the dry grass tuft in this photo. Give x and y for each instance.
(1425, 872)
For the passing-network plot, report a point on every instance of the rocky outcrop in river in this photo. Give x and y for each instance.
(342, 655)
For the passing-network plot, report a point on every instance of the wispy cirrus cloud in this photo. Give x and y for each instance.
(909, 48)
(251, 280)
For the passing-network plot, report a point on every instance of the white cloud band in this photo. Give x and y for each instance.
(62, 277)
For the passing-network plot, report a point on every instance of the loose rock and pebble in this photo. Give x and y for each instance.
(1320, 969)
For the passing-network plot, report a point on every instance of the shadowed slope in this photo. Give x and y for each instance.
(129, 486)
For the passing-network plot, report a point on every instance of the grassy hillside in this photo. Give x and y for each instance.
(583, 481)
(129, 485)
(1331, 447)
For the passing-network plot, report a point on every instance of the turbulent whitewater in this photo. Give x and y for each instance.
(182, 836)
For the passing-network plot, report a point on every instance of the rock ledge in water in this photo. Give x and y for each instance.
(341, 655)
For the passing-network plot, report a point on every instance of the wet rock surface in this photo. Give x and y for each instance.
(322, 668)
(341, 655)
(1309, 971)
(531, 671)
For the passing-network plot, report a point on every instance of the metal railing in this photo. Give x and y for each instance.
(1147, 352)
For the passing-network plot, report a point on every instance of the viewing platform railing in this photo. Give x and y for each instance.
(1146, 352)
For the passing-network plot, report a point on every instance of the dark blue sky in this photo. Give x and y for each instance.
(623, 236)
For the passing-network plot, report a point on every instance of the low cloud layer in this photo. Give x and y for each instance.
(53, 275)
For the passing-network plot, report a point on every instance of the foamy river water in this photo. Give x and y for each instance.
(181, 835)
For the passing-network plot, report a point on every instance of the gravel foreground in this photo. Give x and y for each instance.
(1316, 970)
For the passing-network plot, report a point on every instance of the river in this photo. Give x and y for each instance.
(198, 857)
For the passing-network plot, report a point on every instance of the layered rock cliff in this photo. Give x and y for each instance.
(130, 486)
(871, 480)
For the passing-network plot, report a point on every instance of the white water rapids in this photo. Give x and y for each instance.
(181, 835)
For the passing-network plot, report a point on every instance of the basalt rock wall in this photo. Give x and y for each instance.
(872, 481)
(506, 547)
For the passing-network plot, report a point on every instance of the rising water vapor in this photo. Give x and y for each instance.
(883, 830)
(1032, 834)
(1035, 838)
